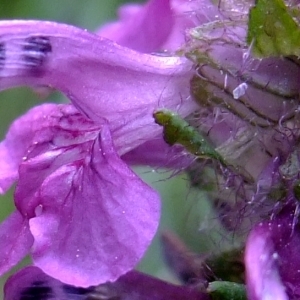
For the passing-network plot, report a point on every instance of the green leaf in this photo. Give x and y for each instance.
(272, 30)
(225, 290)
(178, 131)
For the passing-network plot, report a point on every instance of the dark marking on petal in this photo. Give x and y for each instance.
(36, 50)
(74, 290)
(2, 55)
(37, 291)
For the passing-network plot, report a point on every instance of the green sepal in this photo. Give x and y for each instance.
(178, 131)
(226, 290)
(272, 30)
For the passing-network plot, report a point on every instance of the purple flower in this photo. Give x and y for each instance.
(32, 282)
(84, 216)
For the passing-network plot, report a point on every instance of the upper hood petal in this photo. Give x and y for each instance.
(101, 78)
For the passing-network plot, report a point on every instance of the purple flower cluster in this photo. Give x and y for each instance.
(249, 109)
(83, 215)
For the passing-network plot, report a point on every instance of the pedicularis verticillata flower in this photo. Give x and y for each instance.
(83, 214)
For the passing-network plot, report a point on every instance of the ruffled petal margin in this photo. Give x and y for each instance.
(19, 139)
(91, 218)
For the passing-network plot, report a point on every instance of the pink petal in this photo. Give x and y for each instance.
(18, 140)
(189, 14)
(94, 217)
(16, 240)
(143, 28)
(63, 157)
(157, 153)
(102, 79)
(66, 137)
(38, 131)
(158, 25)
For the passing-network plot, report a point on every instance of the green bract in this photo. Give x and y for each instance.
(178, 131)
(273, 30)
